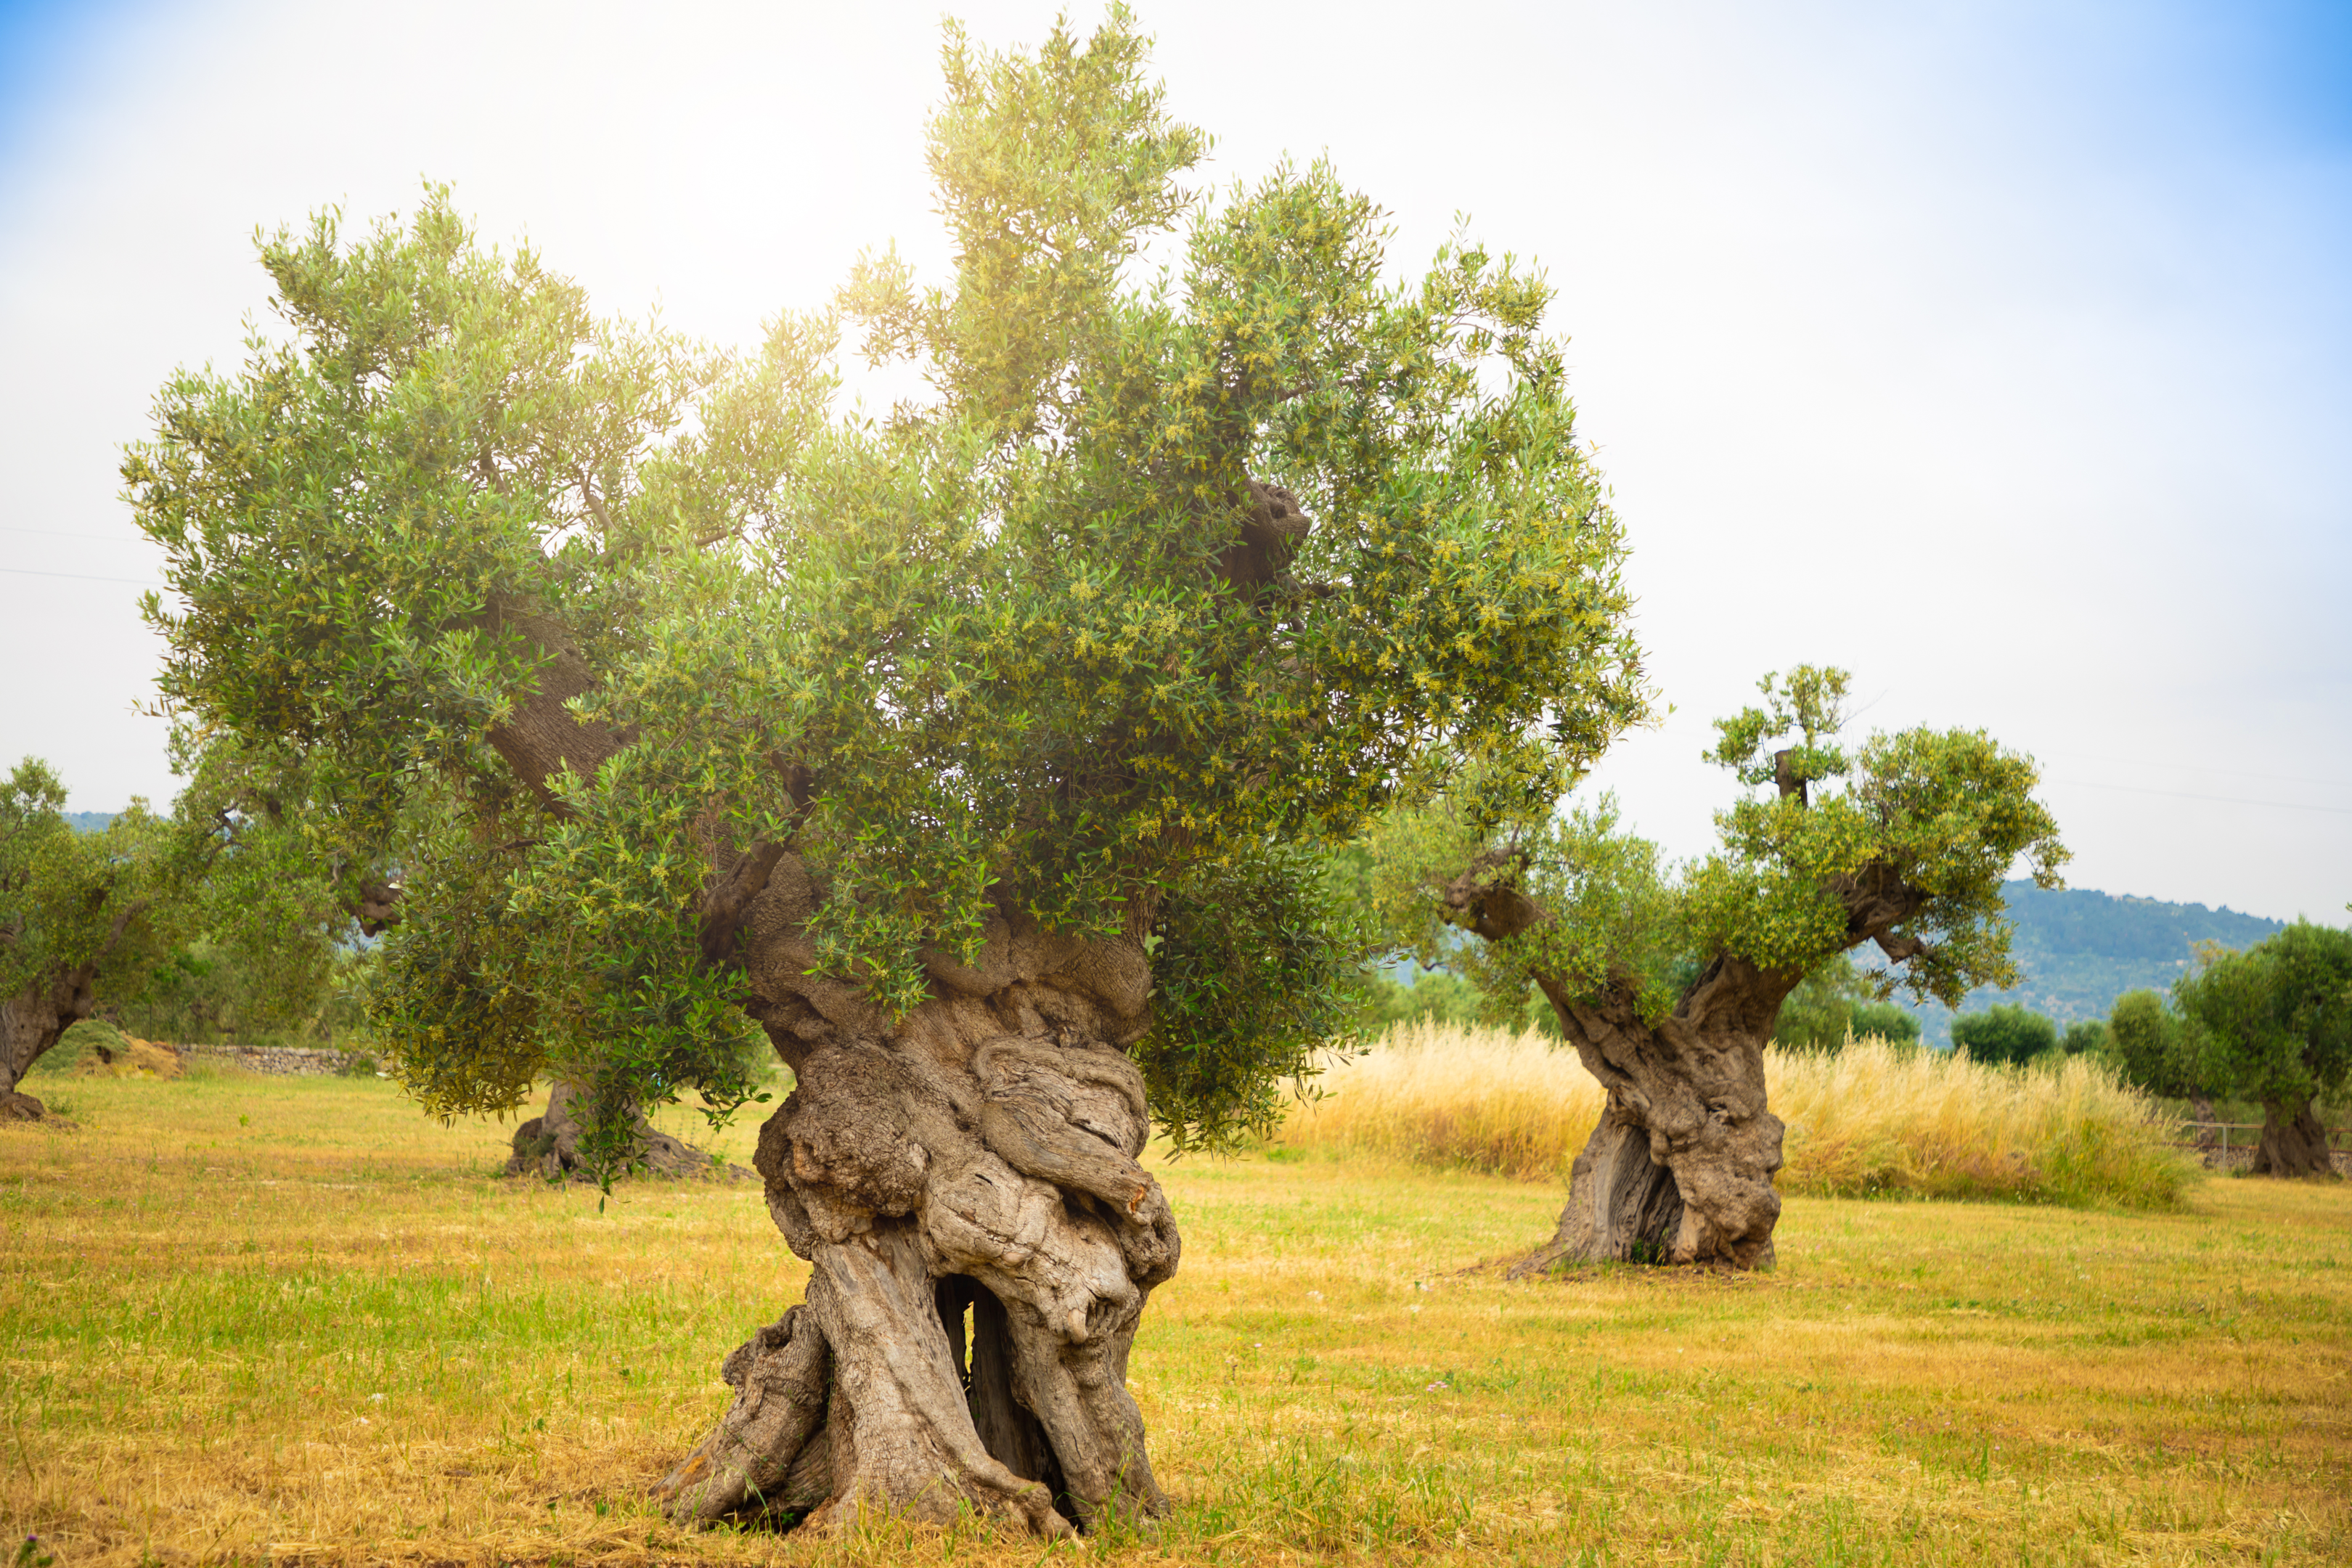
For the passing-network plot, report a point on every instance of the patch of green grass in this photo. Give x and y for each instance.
(244, 1318)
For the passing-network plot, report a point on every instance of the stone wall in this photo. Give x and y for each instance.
(299, 1061)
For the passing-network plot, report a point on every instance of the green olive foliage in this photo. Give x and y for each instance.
(1018, 639)
(2152, 1049)
(1944, 814)
(2084, 1037)
(2004, 1032)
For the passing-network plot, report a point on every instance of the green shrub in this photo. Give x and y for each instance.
(2004, 1033)
(1890, 1021)
(91, 1037)
(2085, 1035)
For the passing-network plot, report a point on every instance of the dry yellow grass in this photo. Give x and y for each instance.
(1874, 1120)
(247, 1319)
(1450, 1098)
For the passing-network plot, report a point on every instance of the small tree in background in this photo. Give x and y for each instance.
(2084, 1037)
(231, 881)
(2153, 1050)
(1669, 984)
(1889, 1020)
(2274, 1024)
(2004, 1033)
(84, 917)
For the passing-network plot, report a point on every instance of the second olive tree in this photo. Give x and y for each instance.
(1668, 981)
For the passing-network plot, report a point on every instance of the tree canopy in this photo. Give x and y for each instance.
(1170, 574)
(1903, 843)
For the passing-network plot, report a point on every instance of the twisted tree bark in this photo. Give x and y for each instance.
(2293, 1143)
(964, 1185)
(1680, 1168)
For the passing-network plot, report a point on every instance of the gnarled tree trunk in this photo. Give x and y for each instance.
(35, 1019)
(548, 1145)
(2293, 1143)
(29, 1025)
(1680, 1168)
(982, 1240)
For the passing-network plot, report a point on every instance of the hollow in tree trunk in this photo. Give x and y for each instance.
(982, 1241)
(2294, 1142)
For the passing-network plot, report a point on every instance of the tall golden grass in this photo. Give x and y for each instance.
(1872, 1119)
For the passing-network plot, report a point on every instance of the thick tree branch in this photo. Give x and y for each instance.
(1898, 948)
(377, 908)
(541, 738)
(729, 894)
(1784, 774)
(1484, 900)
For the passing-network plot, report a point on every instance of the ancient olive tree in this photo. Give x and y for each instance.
(1668, 981)
(981, 757)
(2273, 1024)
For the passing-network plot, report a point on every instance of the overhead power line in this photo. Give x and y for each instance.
(83, 577)
(68, 533)
(2224, 799)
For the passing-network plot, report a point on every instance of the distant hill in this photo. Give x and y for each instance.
(89, 821)
(2080, 950)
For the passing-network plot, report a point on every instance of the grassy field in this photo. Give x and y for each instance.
(244, 1318)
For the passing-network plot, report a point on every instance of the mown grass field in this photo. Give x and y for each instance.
(244, 1319)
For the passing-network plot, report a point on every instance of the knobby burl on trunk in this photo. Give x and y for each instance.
(964, 1183)
(1680, 1168)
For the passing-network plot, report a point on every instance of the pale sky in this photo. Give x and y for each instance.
(2002, 353)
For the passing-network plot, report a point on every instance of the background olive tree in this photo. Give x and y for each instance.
(2004, 1032)
(1670, 981)
(225, 910)
(2273, 1024)
(84, 917)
